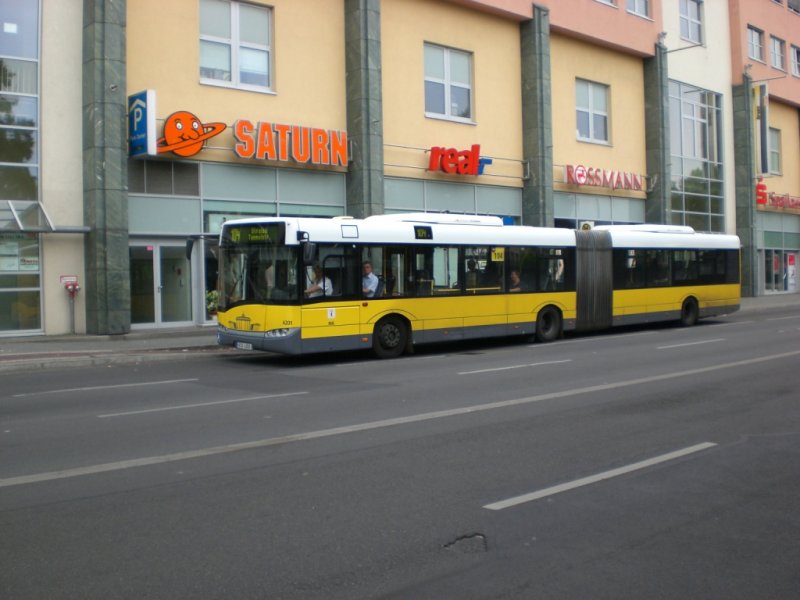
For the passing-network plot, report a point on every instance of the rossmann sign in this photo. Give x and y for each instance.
(606, 178)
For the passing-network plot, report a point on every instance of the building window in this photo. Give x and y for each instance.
(448, 83)
(755, 43)
(794, 5)
(639, 7)
(164, 178)
(774, 151)
(691, 21)
(795, 61)
(591, 111)
(20, 272)
(697, 184)
(235, 44)
(778, 52)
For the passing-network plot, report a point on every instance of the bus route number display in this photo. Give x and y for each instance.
(423, 232)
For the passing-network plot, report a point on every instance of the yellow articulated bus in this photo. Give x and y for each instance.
(303, 285)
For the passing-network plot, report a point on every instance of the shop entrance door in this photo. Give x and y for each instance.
(161, 292)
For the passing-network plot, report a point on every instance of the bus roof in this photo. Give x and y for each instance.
(456, 229)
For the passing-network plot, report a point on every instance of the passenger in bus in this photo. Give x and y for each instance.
(322, 285)
(369, 281)
(514, 282)
(472, 274)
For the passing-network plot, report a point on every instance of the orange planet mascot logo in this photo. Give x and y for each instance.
(185, 135)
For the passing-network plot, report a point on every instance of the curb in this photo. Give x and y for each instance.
(102, 358)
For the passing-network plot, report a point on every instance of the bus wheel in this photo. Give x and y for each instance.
(390, 337)
(548, 324)
(689, 312)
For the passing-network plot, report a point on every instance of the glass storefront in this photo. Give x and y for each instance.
(20, 295)
(20, 282)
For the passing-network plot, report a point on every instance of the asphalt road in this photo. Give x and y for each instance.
(646, 463)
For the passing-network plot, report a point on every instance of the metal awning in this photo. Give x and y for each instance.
(29, 216)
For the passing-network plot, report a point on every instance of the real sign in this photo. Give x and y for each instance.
(464, 162)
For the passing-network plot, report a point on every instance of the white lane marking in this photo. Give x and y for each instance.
(324, 433)
(587, 340)
(690, 344)
(571, 485)
(197, 405)
(539, 364)
(784, 318)
(104, 387)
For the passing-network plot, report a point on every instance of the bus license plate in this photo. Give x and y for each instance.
(244, 346)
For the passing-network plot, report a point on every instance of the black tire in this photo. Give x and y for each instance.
(690, 312)
(390, 337)
(548, 324)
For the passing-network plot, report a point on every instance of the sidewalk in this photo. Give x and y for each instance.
(60, 351)
(42, 352)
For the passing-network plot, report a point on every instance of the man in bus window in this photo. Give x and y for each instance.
(322, 285)
(514, 282)
(369, 282)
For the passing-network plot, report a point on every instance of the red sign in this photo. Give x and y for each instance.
(616, 180)
(761, 192)
(783, 201)
(464, 162)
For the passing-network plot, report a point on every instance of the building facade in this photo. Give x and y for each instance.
(546, 113)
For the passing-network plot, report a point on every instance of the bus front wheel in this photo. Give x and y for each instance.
(390, 337)
(689, 312)
(548, 324)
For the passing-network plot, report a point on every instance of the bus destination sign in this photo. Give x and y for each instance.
(423, 232)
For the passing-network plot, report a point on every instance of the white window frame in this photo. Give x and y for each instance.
(640, 8)
(448, 84)
(592, 111)
(234, 43)
(777, 48)
(755, 43)
(795, 52)
(775, 151)
(687, 19)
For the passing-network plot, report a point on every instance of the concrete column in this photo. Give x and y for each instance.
(365, 195)
(107, 289)
(744, 158)
(537, 127)
(657, 133)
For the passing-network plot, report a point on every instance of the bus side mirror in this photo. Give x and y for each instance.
(309, 253)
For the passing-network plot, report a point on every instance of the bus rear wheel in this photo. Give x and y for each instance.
(689, 312)
(548, 324)
(390, 337)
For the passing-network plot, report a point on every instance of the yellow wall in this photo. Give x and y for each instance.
(163, 47)
(571, 59)
(787, 119)
(405, 26)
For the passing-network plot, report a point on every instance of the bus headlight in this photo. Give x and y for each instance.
(277, 333)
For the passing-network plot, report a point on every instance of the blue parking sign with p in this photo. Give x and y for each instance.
(142, 124)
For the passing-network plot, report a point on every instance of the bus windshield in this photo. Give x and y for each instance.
(255, 266)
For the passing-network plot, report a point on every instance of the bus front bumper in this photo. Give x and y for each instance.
(283, 341)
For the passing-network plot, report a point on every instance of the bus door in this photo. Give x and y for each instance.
(337, 311)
